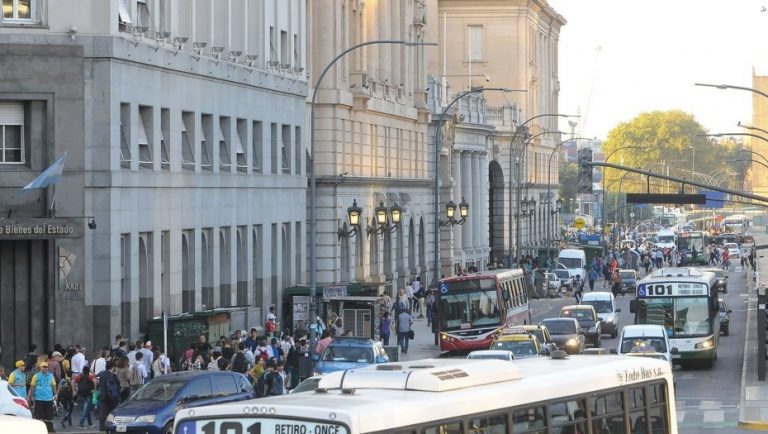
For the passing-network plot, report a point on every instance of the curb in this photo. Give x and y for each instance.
(748, 424)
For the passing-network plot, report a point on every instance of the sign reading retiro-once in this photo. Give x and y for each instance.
(36, 229)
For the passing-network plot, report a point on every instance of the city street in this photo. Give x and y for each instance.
(707, 399)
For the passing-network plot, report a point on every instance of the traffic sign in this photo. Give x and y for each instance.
(578, 223)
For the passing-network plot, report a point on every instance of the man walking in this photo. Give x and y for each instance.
(404, 323)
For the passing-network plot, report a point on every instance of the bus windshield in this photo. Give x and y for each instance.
(467, 309)
(690, 243)
(682, 317)
(663, 239)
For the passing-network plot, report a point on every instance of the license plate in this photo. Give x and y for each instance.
(121, 428)
(675, 356)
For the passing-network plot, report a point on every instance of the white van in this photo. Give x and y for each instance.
(666, 238)
(649, 340)
(575, 261)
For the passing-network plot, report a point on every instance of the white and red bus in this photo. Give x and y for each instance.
(470, 309)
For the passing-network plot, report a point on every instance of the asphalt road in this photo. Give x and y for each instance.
(707, 399)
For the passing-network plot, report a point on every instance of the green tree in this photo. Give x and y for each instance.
(569, 183)
(668, 142)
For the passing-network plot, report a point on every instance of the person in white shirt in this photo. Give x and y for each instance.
(409, 295)
(131, 354)
(78, 361)
(162, 365)
(99, 364)
(148, 356)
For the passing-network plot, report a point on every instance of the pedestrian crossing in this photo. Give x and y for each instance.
(693, 415)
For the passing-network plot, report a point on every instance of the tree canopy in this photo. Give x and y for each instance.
(668, 143)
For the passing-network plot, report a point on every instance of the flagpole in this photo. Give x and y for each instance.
(52, 211)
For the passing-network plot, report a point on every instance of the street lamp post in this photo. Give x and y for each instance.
(519, 182)
(602, 201)
(522, 128)
(730, 86)
(549, 188)
(438, 131)
(313, 175)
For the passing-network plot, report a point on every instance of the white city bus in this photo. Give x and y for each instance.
(587, 394)
(684, 301)
(737, 223)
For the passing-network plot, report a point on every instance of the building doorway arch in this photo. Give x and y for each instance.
(496, 223)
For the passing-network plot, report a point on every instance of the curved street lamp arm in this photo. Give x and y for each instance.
(730, 86)
(751, 127)
(752, 160)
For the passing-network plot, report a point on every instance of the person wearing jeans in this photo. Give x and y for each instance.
(404, 323)
(85, 383)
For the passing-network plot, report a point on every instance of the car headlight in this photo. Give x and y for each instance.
(571, 342)
(111, 418)
(149, 418)
(704, 345)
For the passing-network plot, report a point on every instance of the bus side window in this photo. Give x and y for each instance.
(444, 428)
(494, 424)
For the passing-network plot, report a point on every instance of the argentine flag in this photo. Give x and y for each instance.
(50, 176)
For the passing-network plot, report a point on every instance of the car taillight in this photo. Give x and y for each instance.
(21, 402)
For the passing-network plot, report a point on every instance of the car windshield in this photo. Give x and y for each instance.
(159, 390)
(579, 314)
(307, 385)
(570, 262)
(519, 348)
(627, 275)
(561, 327)
(488, 356)
(348, 354)
(562, 274)
(665, 238)
(643, 344)
(601, 306)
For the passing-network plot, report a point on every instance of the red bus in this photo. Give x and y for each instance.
(470, 309)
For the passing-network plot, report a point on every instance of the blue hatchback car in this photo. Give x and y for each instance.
(348, 352)
(152, 408)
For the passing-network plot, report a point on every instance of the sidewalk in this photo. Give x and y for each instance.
(753, 406)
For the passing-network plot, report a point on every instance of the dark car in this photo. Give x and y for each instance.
(725, 318)
(152, 408)
(628, 281)
(588, 320)
(350, 352)
(722, 278)
(566, 333)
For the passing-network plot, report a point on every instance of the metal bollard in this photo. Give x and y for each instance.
(761, 300)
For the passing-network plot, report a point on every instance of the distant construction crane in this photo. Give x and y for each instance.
(595, 72)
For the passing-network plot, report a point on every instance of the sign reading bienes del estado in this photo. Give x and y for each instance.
(39, 229)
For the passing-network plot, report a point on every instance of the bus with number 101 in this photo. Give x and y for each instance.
(585, 394)
(472, 308)
(685, 302)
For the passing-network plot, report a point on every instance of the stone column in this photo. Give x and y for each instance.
(466, 191)
(458, 244)
(476, 200)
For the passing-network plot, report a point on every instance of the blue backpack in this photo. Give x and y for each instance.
(109, 387)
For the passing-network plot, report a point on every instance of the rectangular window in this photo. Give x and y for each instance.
(22, 12)
(286, 150)
(144, 17)
(296, 57)
(237, 145)
(475, 43)
(298, 149)
(123, 13)
(492, 424)
(125, 135)
(187, 140)
(285, 49)
(273, 146)
(257, 145)
(272, 50)
(206, 142)
(444, 428)
(529, 420)
(225, 161)
(165, 134)
(12, 133)
(145, 140)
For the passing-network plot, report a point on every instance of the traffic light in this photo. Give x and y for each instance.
(585, 170)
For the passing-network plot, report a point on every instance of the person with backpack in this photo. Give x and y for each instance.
(161, 365)
(85, 384)
(138, 373)
(240, 362)
(109, 393)
(42, 391)
(213, 365)
(66, 396)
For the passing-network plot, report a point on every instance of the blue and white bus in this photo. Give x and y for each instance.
(685, 302)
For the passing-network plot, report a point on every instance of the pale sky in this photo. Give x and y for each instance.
(619, 58)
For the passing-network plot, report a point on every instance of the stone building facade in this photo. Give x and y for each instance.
(184, 125)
